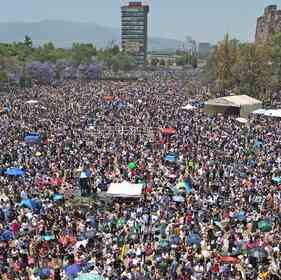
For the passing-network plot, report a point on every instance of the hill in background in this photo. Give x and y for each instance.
(64, 33)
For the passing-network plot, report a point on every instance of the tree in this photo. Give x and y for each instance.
(193, 61)
(3, 76)
(66, 69)
(94, 72)
(115, 65)
(276, 57)
(180, 60)
(89, 72)
(28, 42)
(41, 72)
(253, 69)
(125, 61)
(154, 61)
(83, 53)
(225, 58)
(115, 50)
(162, 62)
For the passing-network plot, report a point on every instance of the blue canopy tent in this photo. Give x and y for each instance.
(15, 171)
(170, 158)
(32, 138)
(29, 203)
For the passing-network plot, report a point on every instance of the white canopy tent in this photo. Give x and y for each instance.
(259, 112)
(241, 105)
(31, 102)
(275, 113)
(188, 107)
(124, 189)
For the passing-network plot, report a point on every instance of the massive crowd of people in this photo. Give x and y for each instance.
(210, 212)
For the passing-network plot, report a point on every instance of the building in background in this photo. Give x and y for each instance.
(168, 56)
(204, 49)
(268, 24)
(190, 45)
(134, 30)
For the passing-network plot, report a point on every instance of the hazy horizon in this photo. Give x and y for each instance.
(202, 20)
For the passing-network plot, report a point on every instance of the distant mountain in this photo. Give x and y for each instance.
(64, 33)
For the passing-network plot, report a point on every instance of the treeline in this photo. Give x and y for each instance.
(21, 60)
(245, 68)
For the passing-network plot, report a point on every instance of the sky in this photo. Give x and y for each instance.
(203, 20)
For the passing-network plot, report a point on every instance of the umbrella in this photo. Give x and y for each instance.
(194, 239)
(163, 243)
(258, 253)
(89, 276)
(90, 234)
(187, 186)
(57, 197)
(6, 235)
(83, 175)
(240, 216)
(168, 130)
(178, 198)
(170, 157)
(71, 271)
(276, 180)
(14, 171)
(229, 260)
(44, 273)
(219, 225)
(29, 203)
(183, 186)
(56, 181)
(258, 144)
(31, 102)
(242, 120)
(48, 237)
(264, 225)
(132, 165)
(108, 98)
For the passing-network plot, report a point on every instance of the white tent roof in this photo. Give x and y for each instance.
(188, 107)
(273, 113)
(234, 101)
(124, 189)
(242, 120)
(269, 113)
(31, 102)
(259, 112)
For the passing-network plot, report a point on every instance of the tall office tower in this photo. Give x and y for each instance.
(134, 30)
